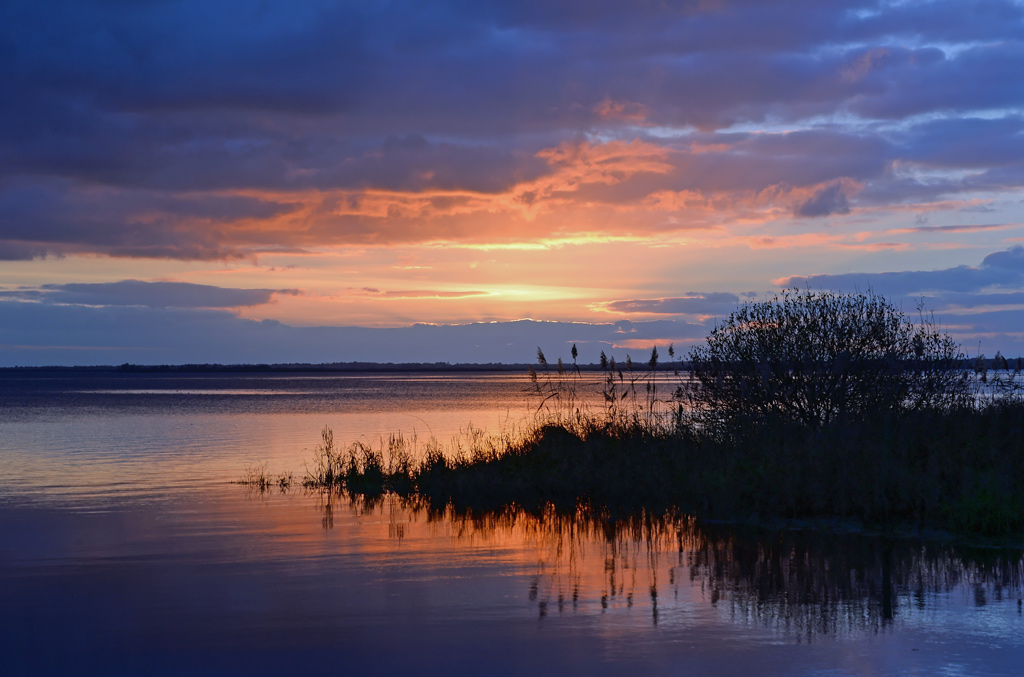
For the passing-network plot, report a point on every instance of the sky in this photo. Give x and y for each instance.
(191, 181)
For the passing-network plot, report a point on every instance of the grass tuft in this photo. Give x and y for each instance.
(259, 478)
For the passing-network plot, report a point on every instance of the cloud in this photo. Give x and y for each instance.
(38, 334)
(978, 303)
(482, 68)
(206, 130)
(958, 228)
(421, 294)
(825, 202)
(1011, 259)
(693, 303)
(148, 294)
(59, 217)
(973, 301)
(45, 334)
(622, 110)
(999, 269)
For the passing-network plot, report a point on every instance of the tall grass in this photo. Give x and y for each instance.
(258, 477)
(361, 467)
(959, 468)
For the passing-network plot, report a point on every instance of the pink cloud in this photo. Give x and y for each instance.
(610, 109)
(420, 294)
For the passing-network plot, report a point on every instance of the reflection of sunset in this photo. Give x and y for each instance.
(221, 574)
(670, 570)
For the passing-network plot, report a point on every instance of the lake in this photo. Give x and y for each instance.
(127, 549)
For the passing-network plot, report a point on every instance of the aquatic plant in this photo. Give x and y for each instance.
(962, 470)
(361, 467)
(258, 477)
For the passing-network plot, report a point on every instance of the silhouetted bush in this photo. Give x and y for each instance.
(812, 358)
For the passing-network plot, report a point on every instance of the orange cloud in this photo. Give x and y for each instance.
(419, 294)
(592, 192)
(953, 229)
(610, 109)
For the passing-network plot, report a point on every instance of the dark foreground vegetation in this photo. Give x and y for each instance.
(806, 406)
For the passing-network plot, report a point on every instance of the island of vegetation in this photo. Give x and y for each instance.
(808, 405)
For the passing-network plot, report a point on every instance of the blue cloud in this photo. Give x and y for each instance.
(825, 201)
(1003, 269)
(982, 303)
(46, 334)
(149, 294)
(693, 303)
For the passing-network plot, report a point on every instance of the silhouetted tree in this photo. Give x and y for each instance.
(811, 358)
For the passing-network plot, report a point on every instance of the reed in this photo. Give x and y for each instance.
(258, 477)
(755, 430)
(960, 470)
(361, 467)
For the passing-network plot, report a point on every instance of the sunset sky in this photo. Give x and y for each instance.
(242, 181)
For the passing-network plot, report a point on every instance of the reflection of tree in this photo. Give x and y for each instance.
(824, 584)
(804, 587)
(802, 584)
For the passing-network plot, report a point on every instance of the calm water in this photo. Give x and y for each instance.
(126, 549)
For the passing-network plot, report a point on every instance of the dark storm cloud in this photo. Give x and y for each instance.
(149, 294)
(188, 96)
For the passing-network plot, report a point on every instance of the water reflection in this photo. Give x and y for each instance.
(127, 551)
(802, 584)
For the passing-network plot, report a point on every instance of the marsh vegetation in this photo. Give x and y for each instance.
(258, 477)
(809, 405)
